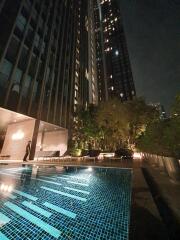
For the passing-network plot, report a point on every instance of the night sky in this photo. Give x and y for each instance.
(153, 35)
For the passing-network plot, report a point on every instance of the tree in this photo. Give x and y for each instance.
(162, 137)
(85, 132)
(153, 139)
(176, 106)
(139, 115)
(122, 123)
(111, 119)
(112, 124)
(173, 132)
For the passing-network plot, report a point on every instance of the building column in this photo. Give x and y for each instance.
(34, 140)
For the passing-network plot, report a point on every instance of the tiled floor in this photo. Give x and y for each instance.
(64, 203)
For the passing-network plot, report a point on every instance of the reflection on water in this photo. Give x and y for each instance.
(25, 176)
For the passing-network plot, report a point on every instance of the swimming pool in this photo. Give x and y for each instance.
(53, 202)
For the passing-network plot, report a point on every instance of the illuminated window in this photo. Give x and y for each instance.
(116, 52)
(21, 22)
(6, 68)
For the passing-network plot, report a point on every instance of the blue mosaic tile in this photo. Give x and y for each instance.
(48, 203)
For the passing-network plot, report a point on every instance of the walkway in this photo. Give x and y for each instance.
(167, 197)
(146, 223)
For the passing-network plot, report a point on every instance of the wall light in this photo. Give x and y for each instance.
(18, 135)
(6, 188)
(137, 155)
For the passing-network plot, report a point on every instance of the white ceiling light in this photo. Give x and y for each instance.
(18, 135)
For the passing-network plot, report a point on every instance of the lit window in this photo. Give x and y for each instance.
(21, 22)
(6, 68)
(18, 75)
(116, 52)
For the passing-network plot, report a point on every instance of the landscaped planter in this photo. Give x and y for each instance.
(146, 157)
(172, 167)
(155, 160)
(161, 164)
(151, 159)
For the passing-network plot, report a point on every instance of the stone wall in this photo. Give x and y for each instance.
(17, 136)
(53, 141)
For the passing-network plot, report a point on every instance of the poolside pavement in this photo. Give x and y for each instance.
(146, 223)
(166, 194)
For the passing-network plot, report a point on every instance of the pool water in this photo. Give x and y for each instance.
(53, 202)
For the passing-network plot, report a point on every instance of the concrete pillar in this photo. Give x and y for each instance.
(34, 139)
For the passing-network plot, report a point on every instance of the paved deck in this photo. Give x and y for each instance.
(167, 197)
(146, 223)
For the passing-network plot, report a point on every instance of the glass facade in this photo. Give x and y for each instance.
(113, 65)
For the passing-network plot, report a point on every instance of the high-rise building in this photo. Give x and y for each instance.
(54, 56)
(92, 68)
(45, 69)
(113, 66)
